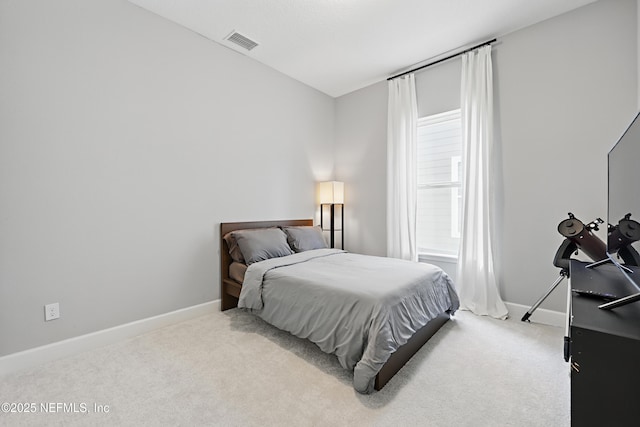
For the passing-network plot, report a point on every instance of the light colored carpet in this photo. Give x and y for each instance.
(233, 369)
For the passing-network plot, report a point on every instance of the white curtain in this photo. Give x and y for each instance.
(402, 180)
(476, 282)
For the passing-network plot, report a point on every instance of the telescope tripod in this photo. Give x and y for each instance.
(560, 260)
(563, 273)
(567, 335)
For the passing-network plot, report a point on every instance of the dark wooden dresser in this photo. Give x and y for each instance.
(605, 350)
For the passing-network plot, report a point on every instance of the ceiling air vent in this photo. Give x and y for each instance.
(242, 41)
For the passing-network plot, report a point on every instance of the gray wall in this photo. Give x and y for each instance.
(124, 142)
(361, 153)
(565, 89)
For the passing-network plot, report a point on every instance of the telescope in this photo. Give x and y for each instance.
(578, 235)
(582, 236)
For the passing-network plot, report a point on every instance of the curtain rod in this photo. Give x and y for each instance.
(442, 60)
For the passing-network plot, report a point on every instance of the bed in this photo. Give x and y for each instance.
(373, 313)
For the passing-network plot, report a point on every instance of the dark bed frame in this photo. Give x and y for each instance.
(230, 292)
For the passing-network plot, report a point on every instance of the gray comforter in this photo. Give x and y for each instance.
(360, 308)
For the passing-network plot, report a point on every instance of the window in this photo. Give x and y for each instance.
(439, 184)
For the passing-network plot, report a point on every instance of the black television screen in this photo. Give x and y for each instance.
(623, 209)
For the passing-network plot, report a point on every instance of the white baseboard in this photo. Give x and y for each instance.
(58, 350)
(540, 315)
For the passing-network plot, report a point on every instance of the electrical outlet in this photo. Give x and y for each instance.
(51, 311)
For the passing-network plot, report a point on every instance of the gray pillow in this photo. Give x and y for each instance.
(305, 238)
(262, 243)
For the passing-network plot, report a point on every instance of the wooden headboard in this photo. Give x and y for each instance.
(229, 288)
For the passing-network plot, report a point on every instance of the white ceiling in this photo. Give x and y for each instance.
(338, 46)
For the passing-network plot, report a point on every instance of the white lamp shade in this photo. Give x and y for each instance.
(331, 192)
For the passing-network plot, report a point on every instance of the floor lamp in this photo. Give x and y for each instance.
(332, 210)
